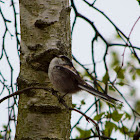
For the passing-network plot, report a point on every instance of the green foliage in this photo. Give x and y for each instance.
(127, 116)
(99, 116)
(124, 130)
(4, 126)
(111, 88)
(115, 60)
(1, 137)
(83, 102)
(137, 106)
(117, 36)
(2, 1)
(83, 133)
(73, 105)
(78, 106)
(114, 120)
(135, 72)
(138, 1)
(121, 83)
(105, 78)
(109, 126)
(116, 116)
(4, 130)
(120, 72)
(138, 72)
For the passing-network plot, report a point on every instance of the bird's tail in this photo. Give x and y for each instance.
(100, 95)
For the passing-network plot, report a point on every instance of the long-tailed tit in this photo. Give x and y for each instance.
(66, 79)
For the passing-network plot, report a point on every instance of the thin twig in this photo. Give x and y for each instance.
(21, 91)
(84, 113)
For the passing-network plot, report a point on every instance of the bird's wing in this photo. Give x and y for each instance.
(84, 86)
(71, 71)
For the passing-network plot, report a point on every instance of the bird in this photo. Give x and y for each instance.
(66, 80)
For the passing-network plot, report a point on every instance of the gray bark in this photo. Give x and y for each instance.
(45, 32)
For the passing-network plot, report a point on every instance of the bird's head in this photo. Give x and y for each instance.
(61, 59)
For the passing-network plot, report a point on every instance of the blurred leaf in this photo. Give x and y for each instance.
(116, 116)
(79, 107)
(105, 78)
(123, 130)
(138, 72)
(8, 132)
(101, 104)
(111, 88)
(132, 56)
(98, 116)
(109, 126)
(1, 137)
(127, 116)
(4, 126)
(108, 115)
(116, 69)
(2, 1)
(73, 105)
(120, 72)
(137, 106)
(132, 91)
(138, 1)
(83, 102)
(134, 76)
(131, 134)
(115, 59)
(117, 36)
(110, 105)
(120, 106)
(134, 71)
(83, 133)
(120, 83)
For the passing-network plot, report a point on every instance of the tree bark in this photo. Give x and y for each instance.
(45, 32)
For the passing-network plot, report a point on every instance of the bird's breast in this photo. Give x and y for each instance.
(63, 82)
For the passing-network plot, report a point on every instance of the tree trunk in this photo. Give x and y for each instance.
(45, 32)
